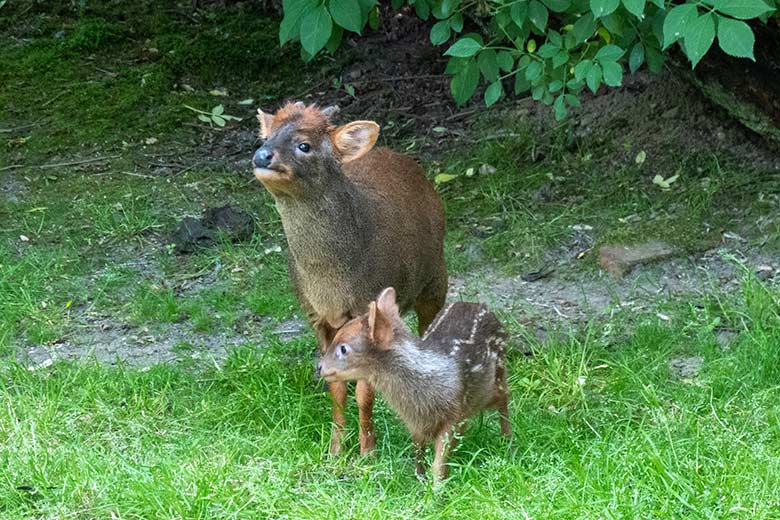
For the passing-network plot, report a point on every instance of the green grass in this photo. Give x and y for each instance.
(599, 432)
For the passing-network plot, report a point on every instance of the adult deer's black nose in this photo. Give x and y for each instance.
(262, 158)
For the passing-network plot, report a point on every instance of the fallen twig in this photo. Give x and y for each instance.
(58, 165)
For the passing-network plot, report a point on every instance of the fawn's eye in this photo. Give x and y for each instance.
(304, 147)
(343, 349)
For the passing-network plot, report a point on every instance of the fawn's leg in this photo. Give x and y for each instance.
(419, 458)
(445, 443)
(338, 397)
(502, 402)
(364, 395)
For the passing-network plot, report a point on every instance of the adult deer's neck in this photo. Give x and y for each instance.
(326, 226)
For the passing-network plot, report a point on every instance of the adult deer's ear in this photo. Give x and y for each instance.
(380, 329)
(355, 139)
(265, 123)
(330, 111)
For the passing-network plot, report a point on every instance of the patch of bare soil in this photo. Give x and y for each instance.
(107, 340)
(566, 300)
(12, 189)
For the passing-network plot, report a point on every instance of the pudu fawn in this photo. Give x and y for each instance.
(357, 220)
(433, 383)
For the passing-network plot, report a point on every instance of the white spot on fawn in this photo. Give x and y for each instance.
(433, 326)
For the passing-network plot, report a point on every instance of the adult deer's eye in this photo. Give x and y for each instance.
(343, 349)
(304, 147)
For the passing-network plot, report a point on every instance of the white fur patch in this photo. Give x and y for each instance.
(437, 321)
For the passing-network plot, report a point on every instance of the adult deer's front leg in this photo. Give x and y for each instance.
(338, 397)
(337, 389)
(364, 395)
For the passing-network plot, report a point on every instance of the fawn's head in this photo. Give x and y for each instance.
(357, 347)
(303, 150)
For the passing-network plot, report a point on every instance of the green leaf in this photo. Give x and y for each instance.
(637, 57)
(533, 71)
(560, 58)
(593, 78)
(573, 100)
(464, 83)
(603, 7)
(493, 93)
(581, 69)
(373, 18)
(655, 60)
(204, 118)
(488, 64)
(464, 48)
(397, 4)
(335, 39)
(547, 51)
(521, 84)
(559, 107)
(635, 7)
(735, 38)
(505, 60)
(609, 53)
(456, 22)
(316, 27)
(218, 110)
(346, 13)
(422, 9)
(699, 37)
(555, 85)
(557, 6)
(613, 73)
(444, 177)
(218, 120)
(538, 92)
(519, 13)
(440, 32)
(537, 13)
(742, 9)
(291, 23)
(584, 27)
(676, 22)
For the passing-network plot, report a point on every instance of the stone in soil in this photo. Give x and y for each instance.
(190, 234)
(235, 223)
(619, 260)
(686, 368)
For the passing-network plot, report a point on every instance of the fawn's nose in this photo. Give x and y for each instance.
(262, 158)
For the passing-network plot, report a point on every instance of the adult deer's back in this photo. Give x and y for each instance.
(356, 220)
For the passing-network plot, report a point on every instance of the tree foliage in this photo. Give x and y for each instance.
(553, 49)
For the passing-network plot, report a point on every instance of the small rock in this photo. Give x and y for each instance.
(724, 338)
(190, 235)
(234, 222)
(619, 260)
(764, 272)
(487, 169)
(686, 368)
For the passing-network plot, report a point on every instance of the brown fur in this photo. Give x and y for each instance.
(357, 219)
(456, 370)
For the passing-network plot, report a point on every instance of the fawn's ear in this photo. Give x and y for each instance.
(355, 139)
(265, 123)
(380, 328)
(387, 304)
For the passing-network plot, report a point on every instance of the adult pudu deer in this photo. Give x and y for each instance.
(433, 383)
(357, 219)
